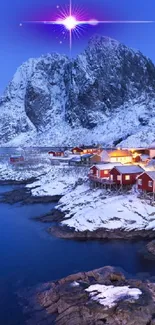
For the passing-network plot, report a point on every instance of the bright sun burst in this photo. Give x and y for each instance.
(70, 22)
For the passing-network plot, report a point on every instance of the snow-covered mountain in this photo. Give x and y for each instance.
(106, 95)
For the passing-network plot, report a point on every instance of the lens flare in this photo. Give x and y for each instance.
(71, 19)
(70, 22)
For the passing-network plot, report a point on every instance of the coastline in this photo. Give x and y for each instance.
(82, 213)
(100, 234)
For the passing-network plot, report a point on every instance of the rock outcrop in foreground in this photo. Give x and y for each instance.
(98, 297)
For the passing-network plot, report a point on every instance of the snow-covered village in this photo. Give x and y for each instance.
(103, 190)
(77, 162)
(90, 194)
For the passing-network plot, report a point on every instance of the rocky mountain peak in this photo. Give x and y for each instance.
(105, 95)
(99, 41)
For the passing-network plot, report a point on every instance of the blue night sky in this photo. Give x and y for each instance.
(17, 44)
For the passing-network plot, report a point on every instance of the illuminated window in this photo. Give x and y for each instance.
(150, 183)
(140, 181)
(106, 172)
(119, 177)
(127, 177)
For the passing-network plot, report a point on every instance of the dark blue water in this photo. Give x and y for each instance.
(29, 256)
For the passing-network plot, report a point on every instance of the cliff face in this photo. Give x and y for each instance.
(106, 95)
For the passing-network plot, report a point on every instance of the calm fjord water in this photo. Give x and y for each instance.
(29, 256)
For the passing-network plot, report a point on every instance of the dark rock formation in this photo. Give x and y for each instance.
(101, 233)
(54, 215)
(151, 247)
(68, 301)
(24, 196)
(18, 182)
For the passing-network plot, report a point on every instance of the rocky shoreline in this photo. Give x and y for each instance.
(87, 298)
(65, 232)
(18, 182)
(99, 234)
(54, 215)
(24, 195)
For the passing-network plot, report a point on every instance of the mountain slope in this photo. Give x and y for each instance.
(106, 95)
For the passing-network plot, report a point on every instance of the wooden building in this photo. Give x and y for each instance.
(95, 159)
(122, 156)
(77, 151)
(125, 175)
(75, 161)
(16, 159)
(86, 159)
(56, 153)
(102, 170)
(102, 157)
(152, 151)
(86, 150)
(146, 181)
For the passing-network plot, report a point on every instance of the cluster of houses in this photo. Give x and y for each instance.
(121, 167)
(123, 175)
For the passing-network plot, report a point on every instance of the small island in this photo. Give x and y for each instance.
(102, 296)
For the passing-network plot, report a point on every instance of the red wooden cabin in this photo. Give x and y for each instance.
(77, 150)
(91, 150)
(125, 175)
(102, 171)
(16, 159)
(86, 150)
(56, 153)
(146, 181)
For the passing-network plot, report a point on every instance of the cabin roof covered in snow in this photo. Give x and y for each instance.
(75, 148)
(16, 156)
(75, 158)
(151, 174)
(108, 166)
(56, 151)
(129, 169)
(144, 157)
(87, 155)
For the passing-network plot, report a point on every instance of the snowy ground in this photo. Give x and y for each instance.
(109, 296)
(88, 209)
(32, 167)
(94, 209)
(59, 180)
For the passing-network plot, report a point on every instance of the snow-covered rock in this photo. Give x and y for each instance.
(109, 296)
(106, 95)
(89, 209)
(59, 180)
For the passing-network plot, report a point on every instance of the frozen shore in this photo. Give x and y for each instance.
(85, 212)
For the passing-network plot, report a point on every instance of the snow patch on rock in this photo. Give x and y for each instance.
(109, 296)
